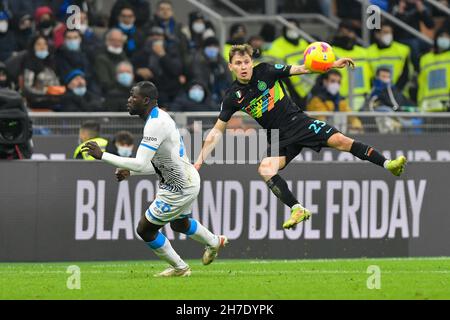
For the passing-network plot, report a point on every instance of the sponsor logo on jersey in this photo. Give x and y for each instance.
(264, 102)
(279, 66)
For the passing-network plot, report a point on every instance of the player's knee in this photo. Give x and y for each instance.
(145, 232)
(180, 226)
(266, 169)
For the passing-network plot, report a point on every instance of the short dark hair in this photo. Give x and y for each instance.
(240, 49)
(124, 137)
(164, 1)
(382, 69)
(147, 89)
(91, 126)
(72, 30)
(331, 72)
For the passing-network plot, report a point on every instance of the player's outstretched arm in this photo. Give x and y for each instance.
(298, 70)
(139, 164)
(210, 142)
(122, 174)
(344, 62)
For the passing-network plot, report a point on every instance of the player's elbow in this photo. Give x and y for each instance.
(140, 167)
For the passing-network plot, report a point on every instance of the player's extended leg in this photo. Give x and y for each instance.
(196, 231)
(364, 152)
(268, 170)
(160, 245)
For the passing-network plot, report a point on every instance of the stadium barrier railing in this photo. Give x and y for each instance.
(68, 123)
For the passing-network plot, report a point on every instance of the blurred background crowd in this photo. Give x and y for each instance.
(93, 68)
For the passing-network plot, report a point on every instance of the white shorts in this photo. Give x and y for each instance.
(172, 205)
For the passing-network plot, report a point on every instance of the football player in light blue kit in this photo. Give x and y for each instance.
(162, 152)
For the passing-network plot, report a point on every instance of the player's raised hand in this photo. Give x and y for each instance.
(344, 62)
(93, 150)
(122, 174)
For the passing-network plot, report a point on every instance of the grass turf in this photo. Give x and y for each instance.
(418, 278)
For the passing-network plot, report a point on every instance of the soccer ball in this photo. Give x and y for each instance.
(318, 57)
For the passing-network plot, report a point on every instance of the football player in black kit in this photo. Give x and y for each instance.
(259, 92)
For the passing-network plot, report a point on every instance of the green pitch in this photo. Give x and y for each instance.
(234, 279)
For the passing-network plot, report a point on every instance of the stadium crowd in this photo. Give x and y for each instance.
(61, 69)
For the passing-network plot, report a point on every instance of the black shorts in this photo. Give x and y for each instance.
(300, 133)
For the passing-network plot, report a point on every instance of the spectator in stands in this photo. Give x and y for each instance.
(413, 12)
(173, 30)
(238, 35)
(122, 144)
(160, 63)
(24, 32)
(91, 44)
(386, 94)
(39, 82)
(70, 57)
(434, 86)
(45, 23)
(195, 97)
(77, 96)
(59, 7)
(117, 96)
(107, 61)
(89, 131)
(269, 33)
(391, 54)
(5, 81)
(350, 12)
(211, 69)
(140, 7)
(17, 8)
(288, 49)
(126, 23)
(257, 43)
(344, 45)
(326, 98)
(8, 42)
(199, 29)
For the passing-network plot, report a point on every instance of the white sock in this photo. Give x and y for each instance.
(162, 248)
(386, 163)
(199, 233)
(298, 205)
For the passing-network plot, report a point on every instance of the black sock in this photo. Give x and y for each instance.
(365, 152)
(280, 188)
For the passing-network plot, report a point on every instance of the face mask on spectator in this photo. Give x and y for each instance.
(46, 24)
(83, 28)
(212, 52)
(73, 45)
(292, 34)
(42, 54)
(443, 43)
(79, 91)
(3, 26)
(198, 27)
(333, 88)
(124, 151)
(125, 79)
(387, 39)
(115, 50)
(125, 26)
(196, 94)
(344, 42)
